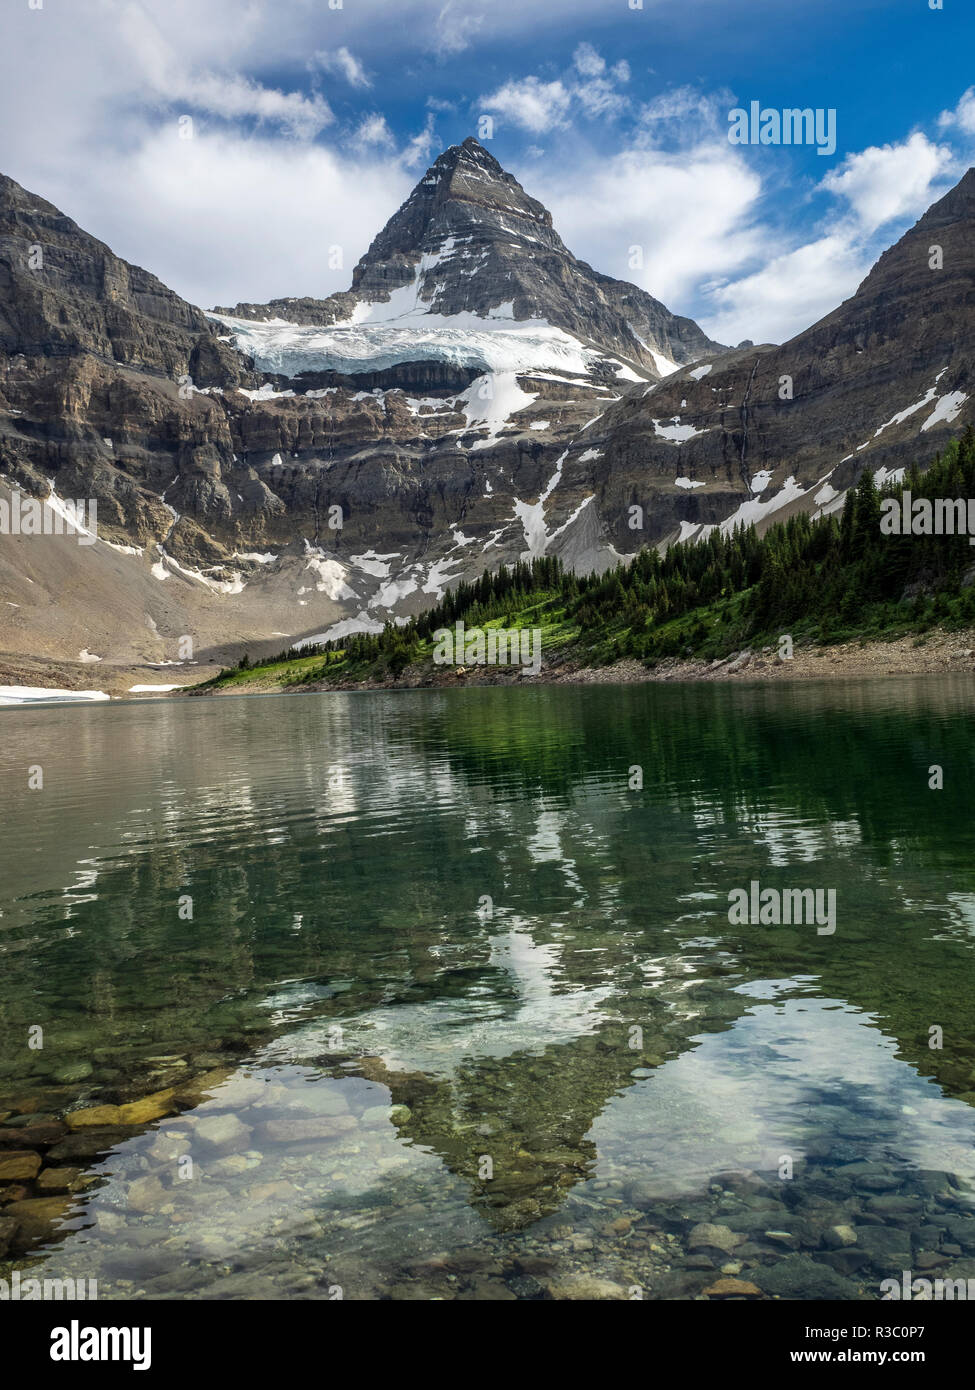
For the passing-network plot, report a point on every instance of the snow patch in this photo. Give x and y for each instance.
(372, 563)
(37, 694)
(492, 400)
(676, 433)
(881, 476)
(663, 364)
(749, 513)
(331, 574)
(947, 409)
(345, 627)
(264, 393)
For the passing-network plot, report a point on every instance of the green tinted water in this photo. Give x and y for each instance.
(440, 1005)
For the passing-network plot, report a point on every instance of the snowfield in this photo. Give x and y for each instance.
(402, 329)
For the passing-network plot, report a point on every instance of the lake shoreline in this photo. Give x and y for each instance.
(940, 653)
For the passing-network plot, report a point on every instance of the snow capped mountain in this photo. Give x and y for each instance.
(471, 270)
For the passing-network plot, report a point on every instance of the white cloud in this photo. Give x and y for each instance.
(599, 98)
(798, 285)
(789, 293)
(588, 61)
(884, 183)
(234, 98)
(373, 131)
(89, 100)
(419, 149)
(229, 96)
(689, 214)
(221, 219)
(709, 247)
(531, 104)
(538, 106)
(685, 115)
(455, 29)
(341, 63)
(963, 116)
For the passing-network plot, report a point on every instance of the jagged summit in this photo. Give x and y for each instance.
(469, 242)
(470, 173)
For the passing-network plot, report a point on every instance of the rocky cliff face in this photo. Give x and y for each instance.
(64, 294)
(311, 467)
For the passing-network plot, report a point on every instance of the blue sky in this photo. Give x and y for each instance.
(308, 126)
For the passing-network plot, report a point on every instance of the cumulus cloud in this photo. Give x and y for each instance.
(799, 284)
(599, 97)
(229, 96)
(419, 149)
(790, 292)
(884, 183)
(691, 207)
(455, 29)
(248, 207)
(590, 88)
(588, 61)
(533, 105)
(963, 115)
(685, 115)
(222, 220)
(664, 221)
(373, 131)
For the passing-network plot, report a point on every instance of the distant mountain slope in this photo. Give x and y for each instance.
(883, 381)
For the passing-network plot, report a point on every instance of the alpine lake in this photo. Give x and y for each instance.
(436, 995)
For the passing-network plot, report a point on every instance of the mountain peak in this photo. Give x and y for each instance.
(457, 196)
(470, 152)
(469, 244)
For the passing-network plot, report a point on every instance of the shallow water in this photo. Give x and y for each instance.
(436, 1005)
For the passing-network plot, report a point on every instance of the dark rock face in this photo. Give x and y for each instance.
(471, 240)
(63, 293)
